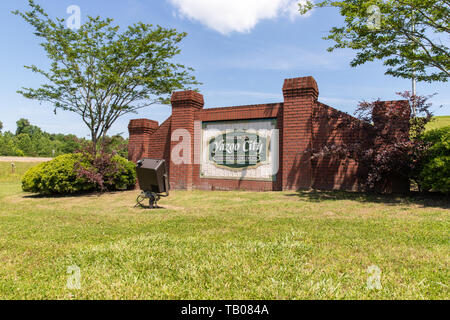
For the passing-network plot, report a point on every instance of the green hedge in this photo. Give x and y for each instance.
(435, 175)
(60, 176)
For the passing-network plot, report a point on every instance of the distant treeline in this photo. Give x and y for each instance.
(31, 141)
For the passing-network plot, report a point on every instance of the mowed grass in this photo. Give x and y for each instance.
(223, 245)
(438, 122)
(9, 174)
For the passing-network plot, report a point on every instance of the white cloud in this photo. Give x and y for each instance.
(226, 16)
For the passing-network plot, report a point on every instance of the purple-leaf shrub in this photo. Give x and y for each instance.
(392, 145)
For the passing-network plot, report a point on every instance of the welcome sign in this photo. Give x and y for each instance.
(238, 149)
(243, 150)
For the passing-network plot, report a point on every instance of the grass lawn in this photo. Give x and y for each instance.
(438, 122)
(223, 245)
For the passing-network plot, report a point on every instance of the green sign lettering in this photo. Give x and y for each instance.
(238, 149)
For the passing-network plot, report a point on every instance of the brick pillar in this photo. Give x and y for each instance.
(184, 105)
(300, 97)
(140, 131)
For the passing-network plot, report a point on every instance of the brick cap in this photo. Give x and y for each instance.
(188, 97)
(300, 86)
(143, 123)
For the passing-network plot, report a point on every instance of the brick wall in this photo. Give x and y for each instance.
(259, 111)
(330, 126)
(304, 124)
(159, 142)
(140, 131)
(300, 96)
(184, 105)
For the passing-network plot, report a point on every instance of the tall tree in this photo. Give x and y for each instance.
(101, 73)
(411, 37)
(24, 126)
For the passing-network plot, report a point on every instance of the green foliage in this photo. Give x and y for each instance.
(102, 74)
(57, 177)
(61, 175)
(409, 36)
(25, 127)
(8, 146)
(125, 175)
(436, 171)
(115, 144)
(30, 140)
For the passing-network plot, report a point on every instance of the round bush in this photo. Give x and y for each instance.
(58, 176)
(125, 175)
(436, 174)
(436, 171)
(62, 175)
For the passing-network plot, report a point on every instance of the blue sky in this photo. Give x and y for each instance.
(241, 51)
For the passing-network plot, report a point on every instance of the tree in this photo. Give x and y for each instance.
(1, 126)
(116, 144)
(409, 36)
(8, 145)
(24, 126)
(24, 142)
(30, 140)
(102, 74)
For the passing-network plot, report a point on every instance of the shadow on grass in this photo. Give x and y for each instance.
(415, 198)
(72, 195)
(148, 209)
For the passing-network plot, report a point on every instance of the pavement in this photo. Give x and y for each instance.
(24, 159)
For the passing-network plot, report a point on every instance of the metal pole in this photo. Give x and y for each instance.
(414, 94)
(414, 71)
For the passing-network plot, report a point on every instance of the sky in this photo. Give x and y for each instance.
(241, 50)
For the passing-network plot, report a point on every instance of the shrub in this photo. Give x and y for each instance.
(108, 172)
(125, 176)
(57, 177)
(435, 174)
(76, 173)
(388, 144)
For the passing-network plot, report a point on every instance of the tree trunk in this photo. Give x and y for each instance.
(94, 143)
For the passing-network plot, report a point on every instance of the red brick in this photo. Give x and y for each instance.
(300, 131)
